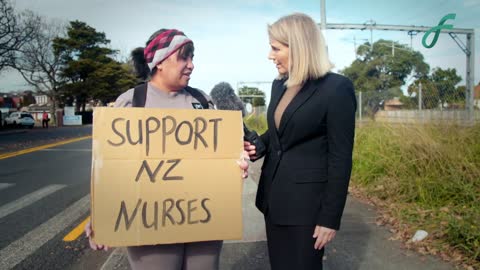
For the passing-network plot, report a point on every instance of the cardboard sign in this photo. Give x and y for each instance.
(166, 176)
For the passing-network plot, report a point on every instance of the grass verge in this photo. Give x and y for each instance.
(424, 177)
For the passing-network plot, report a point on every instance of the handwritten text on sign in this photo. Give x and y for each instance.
(165, 176)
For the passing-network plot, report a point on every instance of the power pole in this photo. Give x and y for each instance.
(370, 24)
(420, 101)
(323, 16)
(412, 33)
(355, 47)
(393, 49)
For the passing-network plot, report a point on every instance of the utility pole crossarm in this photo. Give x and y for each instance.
(460, 43)
(388, 27)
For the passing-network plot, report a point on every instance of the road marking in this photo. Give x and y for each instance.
(17, 251)
(75, 233)
(5, 185)
(29, 150)
(66, 150)
(115, 259)
(28, 199)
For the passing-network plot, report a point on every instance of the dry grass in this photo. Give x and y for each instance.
(428, 178)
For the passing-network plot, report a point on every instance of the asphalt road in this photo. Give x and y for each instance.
(45, 194)
(13, 139)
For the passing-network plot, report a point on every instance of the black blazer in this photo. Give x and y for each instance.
(306, 170)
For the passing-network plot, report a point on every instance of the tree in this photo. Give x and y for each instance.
(460, 95)
(445, 81)
(39, 65)
(110, 81)
(28, 99)
(430, 95)
(88, 66)
(378, 70)
(15, 30)
(438, 89)
(252, 95)
(379, 74)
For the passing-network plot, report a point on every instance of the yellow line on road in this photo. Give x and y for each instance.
(33, 149)
(75, 233)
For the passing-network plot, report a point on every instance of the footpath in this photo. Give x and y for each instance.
(359, 245)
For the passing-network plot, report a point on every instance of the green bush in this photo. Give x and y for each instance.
(434, 169)
(257, 123)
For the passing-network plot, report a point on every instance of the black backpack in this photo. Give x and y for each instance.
(140, 96)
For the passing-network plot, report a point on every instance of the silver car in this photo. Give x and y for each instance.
(19, 119)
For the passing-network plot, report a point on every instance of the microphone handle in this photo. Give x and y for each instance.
(252, 137)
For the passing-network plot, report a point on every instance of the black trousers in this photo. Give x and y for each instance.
(45, 123)
(291, 247)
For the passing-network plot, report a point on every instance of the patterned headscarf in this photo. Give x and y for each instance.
(167, 42)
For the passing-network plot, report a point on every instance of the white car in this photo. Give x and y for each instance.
(19, 119)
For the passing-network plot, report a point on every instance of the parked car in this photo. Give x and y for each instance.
(19, 119)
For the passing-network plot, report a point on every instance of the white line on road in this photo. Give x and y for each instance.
(17, 251)
(65, 150)
(26, 200)
(5, 185)
(115, 260)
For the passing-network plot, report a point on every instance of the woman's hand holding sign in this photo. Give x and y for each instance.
(89, 234)
(244, 164)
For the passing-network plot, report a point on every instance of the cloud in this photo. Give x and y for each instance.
(471, 3)
(231, 42)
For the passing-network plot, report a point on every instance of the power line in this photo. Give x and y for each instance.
(470, 47)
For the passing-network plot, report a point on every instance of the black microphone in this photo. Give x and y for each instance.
(225, 98)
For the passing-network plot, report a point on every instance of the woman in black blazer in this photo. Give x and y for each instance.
(306, 170)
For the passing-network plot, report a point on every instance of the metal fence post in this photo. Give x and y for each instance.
(360, 106)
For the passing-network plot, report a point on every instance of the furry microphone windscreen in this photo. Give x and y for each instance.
(225, 98)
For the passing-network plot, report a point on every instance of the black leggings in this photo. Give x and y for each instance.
(291, 247)
(188, 256)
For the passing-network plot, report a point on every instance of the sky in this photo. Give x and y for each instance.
(230, 37)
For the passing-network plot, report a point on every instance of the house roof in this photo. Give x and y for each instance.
(393, 102)
(476, 91)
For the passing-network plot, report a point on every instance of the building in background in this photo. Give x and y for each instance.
(41, 99)
(393, 104)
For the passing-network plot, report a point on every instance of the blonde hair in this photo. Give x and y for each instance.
(308, 58)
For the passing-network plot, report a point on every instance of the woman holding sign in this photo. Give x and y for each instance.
(306, 171)
(167, 60)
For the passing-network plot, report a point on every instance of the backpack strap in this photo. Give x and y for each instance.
(139, 95)
(198, 96)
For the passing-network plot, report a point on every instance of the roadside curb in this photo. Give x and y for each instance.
(11, 132)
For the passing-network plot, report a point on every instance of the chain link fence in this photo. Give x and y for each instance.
(422, 102)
